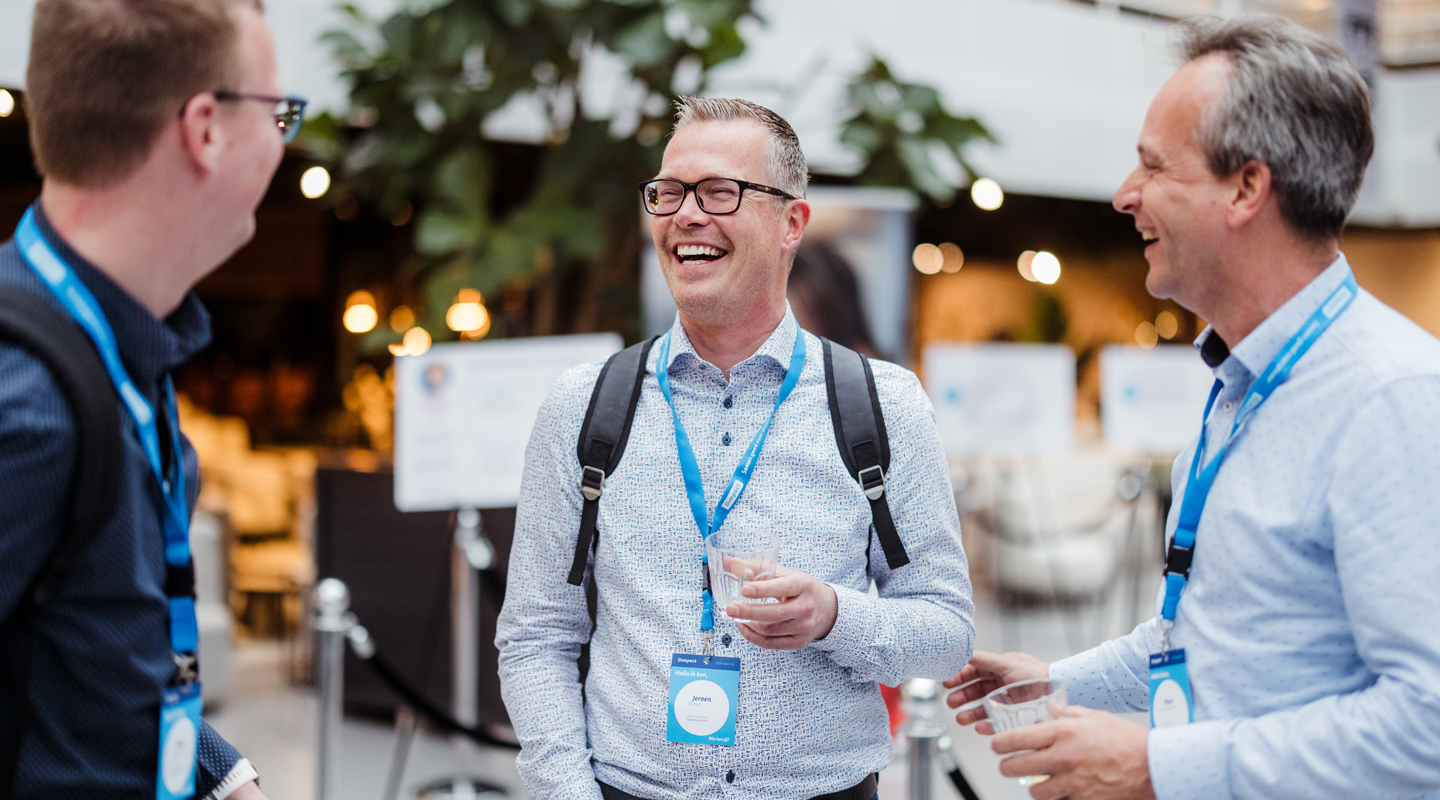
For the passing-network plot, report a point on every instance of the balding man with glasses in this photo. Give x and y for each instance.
(732, 431)
(157, 126)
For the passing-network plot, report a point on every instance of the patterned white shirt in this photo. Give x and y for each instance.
(809, 721)
(1309, 618)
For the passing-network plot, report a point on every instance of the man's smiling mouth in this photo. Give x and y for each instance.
(697, 253)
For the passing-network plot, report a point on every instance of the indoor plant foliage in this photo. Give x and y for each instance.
(427, 81)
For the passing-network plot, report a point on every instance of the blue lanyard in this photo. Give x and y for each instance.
(1197, 489)
(81, 305)
(690, 468)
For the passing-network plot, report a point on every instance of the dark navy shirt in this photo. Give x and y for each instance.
(102, 649)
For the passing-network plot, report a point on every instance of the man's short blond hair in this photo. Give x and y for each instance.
(106, 76)
(785, 162)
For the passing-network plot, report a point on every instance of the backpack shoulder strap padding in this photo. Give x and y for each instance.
(603, 437)
(31, 322)
(861, 436)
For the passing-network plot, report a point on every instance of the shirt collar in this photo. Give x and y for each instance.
(1255, 352)
(148, 347)
(777, 348)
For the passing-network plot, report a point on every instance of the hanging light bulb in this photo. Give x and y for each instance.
(360, 314)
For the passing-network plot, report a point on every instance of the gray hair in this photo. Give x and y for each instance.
(785, 162)
(1294, 103)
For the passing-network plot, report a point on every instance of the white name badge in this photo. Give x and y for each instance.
(1170, 701)
(179, 742)
(703, 695)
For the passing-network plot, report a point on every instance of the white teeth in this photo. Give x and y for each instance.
(1149, 236)
(685, 250)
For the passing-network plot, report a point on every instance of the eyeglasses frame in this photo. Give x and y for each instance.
(691, 189)
(297, 109)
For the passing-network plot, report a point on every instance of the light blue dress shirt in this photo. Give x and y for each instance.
(1309, 620)
(809, 721)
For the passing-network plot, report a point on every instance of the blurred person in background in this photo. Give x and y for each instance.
(156, 126)
(728, 212)
(1301, 577)
(825, 297)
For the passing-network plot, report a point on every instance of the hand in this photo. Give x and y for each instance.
(806, 611)
(1089, 755)
(247, 791)
(985, 673)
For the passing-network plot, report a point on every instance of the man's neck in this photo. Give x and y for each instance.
(132, 243)
(726, 344)
(1248, 288)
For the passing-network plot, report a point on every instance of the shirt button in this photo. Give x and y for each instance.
(730, 776)
(1228, 405)
(729, 401)
(725, 440)
(726, 640)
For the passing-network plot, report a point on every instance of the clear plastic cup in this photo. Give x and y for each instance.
(1025, 703)
(737, 556)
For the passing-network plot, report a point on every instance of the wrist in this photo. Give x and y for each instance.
(832, 612)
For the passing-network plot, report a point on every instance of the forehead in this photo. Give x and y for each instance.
(1176, 112)
(730, 149)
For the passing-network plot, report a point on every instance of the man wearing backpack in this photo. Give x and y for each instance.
(156, 125)
(729, 426)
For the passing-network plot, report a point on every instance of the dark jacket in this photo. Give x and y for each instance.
(102, 651)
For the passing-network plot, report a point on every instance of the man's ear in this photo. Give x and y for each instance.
(199, 133)
(1250, 190)
(797, 217)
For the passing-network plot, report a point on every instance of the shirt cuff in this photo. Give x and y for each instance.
(240, 774)
(854, 626)
(1188, 762)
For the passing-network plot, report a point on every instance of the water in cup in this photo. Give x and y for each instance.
(737, 556)
(1025, 703)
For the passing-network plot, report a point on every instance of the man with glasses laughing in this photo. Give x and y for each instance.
(99, 684)
(804, 717)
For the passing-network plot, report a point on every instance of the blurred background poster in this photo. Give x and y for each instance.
(463, 414)
(1152, 400)
(1002, 399)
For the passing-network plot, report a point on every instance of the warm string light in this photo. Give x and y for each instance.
(7, 103)
(987, 194)
(468, 315)
(315, 182)
(360, 314)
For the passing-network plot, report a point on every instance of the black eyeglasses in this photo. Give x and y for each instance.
(715, 195)
(289, 111)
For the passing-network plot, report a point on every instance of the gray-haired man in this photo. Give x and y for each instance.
(1295, 652)
(728, 211)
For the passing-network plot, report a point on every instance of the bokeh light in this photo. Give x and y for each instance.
(402, 319)
(416, 342)
(1045, 267)
(7, 103)
(467, 315)
(1167, 325)
(928, 258)
(954, 257)
(315, 182)
(360, 314)
(987, 194)
(1146, 335)
(1027, 258)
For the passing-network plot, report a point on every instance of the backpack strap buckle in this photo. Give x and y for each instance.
(592, 483)
(872, 480)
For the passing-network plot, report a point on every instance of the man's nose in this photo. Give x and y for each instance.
(1127, 197)
(690, 213)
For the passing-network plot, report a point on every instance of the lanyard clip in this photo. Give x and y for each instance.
(1165, 626)
(187, 667)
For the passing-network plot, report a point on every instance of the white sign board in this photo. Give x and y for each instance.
(463, 414)
(1151, 400)
(1002, 399)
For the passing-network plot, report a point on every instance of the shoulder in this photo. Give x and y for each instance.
(563, 412)
(1385, 346)
(900, 391)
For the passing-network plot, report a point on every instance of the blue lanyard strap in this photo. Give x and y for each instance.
(690, 467)
(60, 279)
(1202, 479)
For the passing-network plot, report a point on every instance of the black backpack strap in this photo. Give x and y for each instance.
(860, 434)
(31, 322)
(603, 437)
